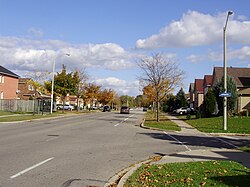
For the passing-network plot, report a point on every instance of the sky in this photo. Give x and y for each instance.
(108, 37)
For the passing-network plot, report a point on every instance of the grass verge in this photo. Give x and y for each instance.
(163, 124)
(215, 124)
(207, 173)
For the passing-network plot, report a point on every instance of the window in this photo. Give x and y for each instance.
(30, 87)
(1, 95)
(1, 79)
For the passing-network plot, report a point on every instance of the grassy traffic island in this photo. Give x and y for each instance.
(163, 124)
(207, 173)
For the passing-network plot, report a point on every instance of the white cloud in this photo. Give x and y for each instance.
(241, 54)
(122, 87)
(28, 55)
(195, 29)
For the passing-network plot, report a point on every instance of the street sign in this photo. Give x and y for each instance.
(224, 94)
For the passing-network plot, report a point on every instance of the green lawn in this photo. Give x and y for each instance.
(207, 173)
(215, 124)
(164, 124)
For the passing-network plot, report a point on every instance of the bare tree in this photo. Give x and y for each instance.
(81, 78)
(161, 74)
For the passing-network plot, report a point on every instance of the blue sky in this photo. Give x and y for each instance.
(107, 37)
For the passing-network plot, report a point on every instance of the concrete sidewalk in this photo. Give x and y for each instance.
(189, 156)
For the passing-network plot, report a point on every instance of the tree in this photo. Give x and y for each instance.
(127, 101)
(64, 84)
(80, 77)
(92, 93)
(169, 103)
(162, 74)
(106, 96)
(231, 101)
(181, 100)
(209, 103)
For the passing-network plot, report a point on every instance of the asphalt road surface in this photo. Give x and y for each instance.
(86, 150)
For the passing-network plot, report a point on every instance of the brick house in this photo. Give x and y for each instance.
(27, 91)
(8, 84)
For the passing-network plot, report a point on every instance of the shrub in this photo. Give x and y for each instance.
(188, 117)
(198, 114)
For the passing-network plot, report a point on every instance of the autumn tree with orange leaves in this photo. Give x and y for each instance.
(106, 96)
(160, 76)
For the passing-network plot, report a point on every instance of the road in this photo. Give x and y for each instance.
(86, 150)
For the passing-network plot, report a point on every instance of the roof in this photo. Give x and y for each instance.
(191, 87)
(198, 85)
(208, 79)
(23, 80)
(245, 91)
(7, 72)
(240, 75)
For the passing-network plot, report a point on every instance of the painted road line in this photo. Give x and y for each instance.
(50, 139)
(229, 137)
(30, 168)
(123, 121)
(227, 142)
(178, 141)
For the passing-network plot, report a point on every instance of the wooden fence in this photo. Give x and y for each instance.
(35, 106)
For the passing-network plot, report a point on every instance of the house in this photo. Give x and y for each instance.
(198, 93)
(8, 84)
(207, 83)
(242, 80)
(191, 95)
(26, 90)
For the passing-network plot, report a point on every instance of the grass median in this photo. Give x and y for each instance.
(163, 124)
(207, 173)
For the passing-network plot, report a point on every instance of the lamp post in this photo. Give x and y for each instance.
(225, 73)
(52, 85)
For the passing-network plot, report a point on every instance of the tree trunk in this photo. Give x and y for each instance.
(158, 107)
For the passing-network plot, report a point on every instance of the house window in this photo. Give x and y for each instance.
(1, 79)
(1, 95)
(30, 87)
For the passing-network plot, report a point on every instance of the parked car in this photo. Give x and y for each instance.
(124, 110)
(68, 107)
(183, 110)
(59, 106)
(106, 109)
(145, 109)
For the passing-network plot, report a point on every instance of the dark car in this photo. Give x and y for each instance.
(124, 110)
(106, 109)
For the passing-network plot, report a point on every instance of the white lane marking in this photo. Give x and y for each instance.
(50, 139)
(178, 141)
(116, 124)
(30, 168)
(229, 137)
(123, 120)
(235, 146)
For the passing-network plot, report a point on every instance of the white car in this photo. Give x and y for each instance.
(183, 110)
(68, 107)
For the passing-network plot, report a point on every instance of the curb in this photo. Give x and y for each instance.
(120, 178)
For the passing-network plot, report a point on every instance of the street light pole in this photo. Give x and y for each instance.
(52, 85)
(225, 73)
